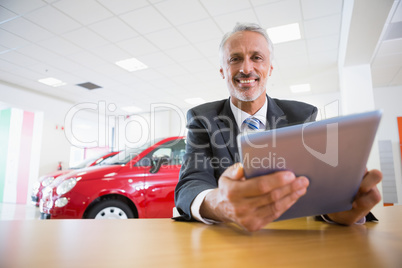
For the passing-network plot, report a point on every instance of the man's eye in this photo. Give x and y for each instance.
(234, 59)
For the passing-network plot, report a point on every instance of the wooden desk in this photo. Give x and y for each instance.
(165, 243)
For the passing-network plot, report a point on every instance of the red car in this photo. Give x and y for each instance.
(47, 179)
(136, 183)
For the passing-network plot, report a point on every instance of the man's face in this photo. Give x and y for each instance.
(246, 65)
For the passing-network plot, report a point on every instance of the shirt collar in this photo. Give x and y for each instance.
(240, 115)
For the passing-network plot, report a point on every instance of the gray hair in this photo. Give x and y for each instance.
(240, 27)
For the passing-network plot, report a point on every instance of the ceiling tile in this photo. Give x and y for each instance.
(256, 3)
(138, 46)
(200, 31)
(10, 40)
(173, 11)
(209, 48)
(222, 7)
(113, 29)
(146, 20)
(322, 27)
(40, 54)
(53, 20)
(388, 60)
(390, 47)
(322, 60)
(18, 58)
(60, 46)
(383, 75)
(167, 39)
(85, 12)
(322, 43)
(148, 74)
(87, 59)
(111, 53)
(290, 49)
(157, 59)
(318, 8)
(184, 53)
(7, 65)
(172, 70)
(273, 14)
(22, 7)
(26, 29)
(6, 15)
(228, 21)
(200, 65)
(123, 6)
(397, 16)
(85, 38)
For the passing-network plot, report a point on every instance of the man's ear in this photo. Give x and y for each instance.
(221, 71)
(270, 70)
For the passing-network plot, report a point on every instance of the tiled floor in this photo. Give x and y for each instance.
(18, 212)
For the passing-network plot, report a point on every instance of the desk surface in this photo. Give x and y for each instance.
(164, 243)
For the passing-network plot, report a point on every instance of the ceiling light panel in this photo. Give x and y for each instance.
(131, 65)
(51, 81)
(284, 33)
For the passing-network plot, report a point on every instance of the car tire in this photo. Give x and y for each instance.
(110, 209)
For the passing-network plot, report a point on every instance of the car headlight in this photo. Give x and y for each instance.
(66, 186)
(35, 187)
(47, 181)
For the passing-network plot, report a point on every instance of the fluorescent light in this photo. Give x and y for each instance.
(284, 33)
(300, 88)
(131, 65)
(131, 109)
(50, 81)
(195, 101)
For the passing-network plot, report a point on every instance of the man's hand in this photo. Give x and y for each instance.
(252, 203)
(366, 198)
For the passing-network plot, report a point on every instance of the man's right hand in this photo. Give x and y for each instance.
(252, 203)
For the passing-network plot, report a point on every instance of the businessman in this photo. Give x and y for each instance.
(212, 187)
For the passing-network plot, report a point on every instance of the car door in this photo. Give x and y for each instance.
(162, 178)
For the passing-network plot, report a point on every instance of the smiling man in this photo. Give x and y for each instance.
(212, 187)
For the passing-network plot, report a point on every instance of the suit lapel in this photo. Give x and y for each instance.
(228, 128)
(276, 118)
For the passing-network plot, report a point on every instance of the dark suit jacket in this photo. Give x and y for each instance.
(212, 146)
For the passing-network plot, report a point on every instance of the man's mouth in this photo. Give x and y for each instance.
(249, 81)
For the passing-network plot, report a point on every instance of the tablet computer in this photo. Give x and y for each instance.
(331, 153)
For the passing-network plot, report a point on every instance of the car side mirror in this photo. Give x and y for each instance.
(158, 162)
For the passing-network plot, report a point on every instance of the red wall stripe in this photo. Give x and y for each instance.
(25, 157)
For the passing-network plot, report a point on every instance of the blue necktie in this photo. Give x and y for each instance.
(252, 123)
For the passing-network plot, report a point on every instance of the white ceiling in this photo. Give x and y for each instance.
(79, 41)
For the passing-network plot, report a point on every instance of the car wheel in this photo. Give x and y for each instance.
(110, 209)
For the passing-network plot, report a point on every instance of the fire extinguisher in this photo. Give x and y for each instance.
(59, 167)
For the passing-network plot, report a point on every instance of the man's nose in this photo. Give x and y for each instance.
(247, 66)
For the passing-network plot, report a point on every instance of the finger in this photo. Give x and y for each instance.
(370, 180)
(274, 210)
(300, 184)
(367, 200)
(234, 172)
(259, 185)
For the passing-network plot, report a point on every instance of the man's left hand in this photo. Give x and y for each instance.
(366, 198)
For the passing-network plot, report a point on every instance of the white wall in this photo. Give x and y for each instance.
(389, 100)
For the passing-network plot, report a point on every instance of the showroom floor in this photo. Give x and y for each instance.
(18, 212)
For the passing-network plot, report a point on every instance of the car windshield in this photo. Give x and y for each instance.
(85, 163)
(125, 156)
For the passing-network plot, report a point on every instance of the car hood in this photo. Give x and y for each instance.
(89, 173)
(55, 174)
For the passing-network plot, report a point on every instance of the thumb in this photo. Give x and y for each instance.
(235, 172)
